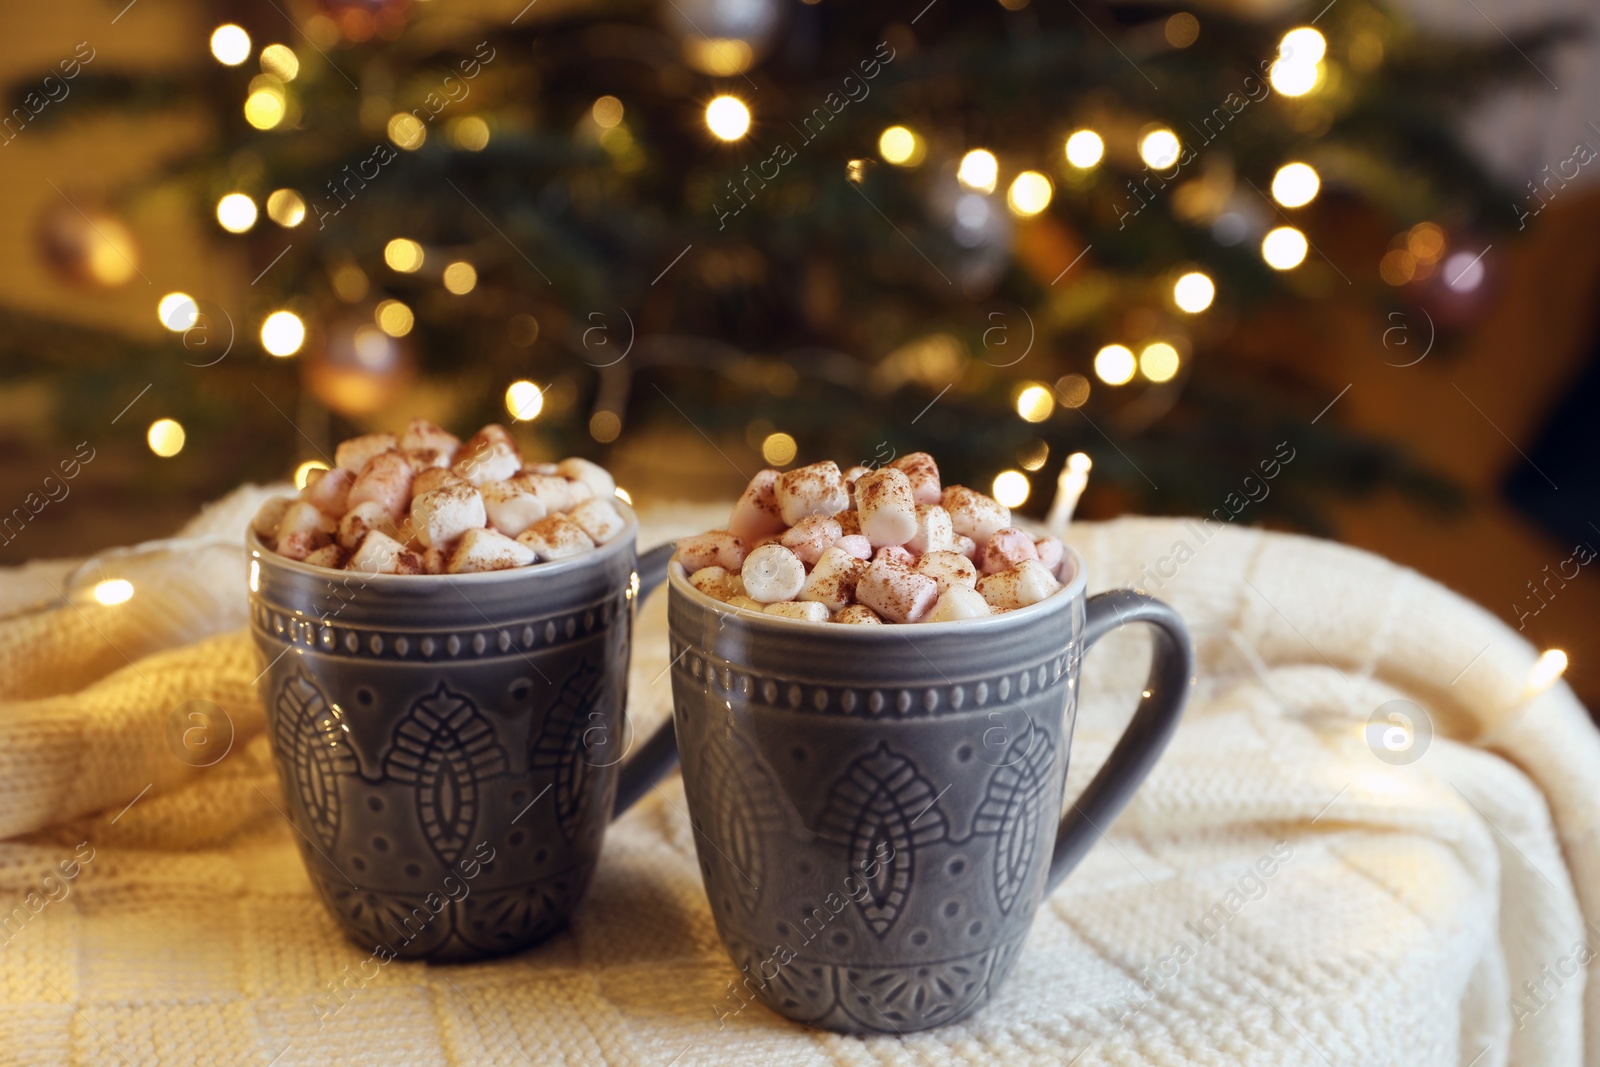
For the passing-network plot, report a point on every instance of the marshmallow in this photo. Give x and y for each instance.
(427, 481)
(805, 610)
(596, 477)
(814, 490)
(973, 514)
(599, 519)
(717, 583)
(745, 603)
(1051, 552)
(934, 531)
(487, 550)
(923, 473)
(851, 477)
(1007, 548)
(556, 537)
(967, 547)
(958, 602)
(888, 511)
(329, 490)
(427, 459)
(304, 517)
(849, 521)
(387, 479)
(445, 514)
(362, 520)
(540, 468)
(895, 591)
(353, 454)
(555, 492)
(833, 580)
(378, 553)
(1027, 583)
(486, 461)
(510, 508)
(422, 435)
(266, 522)
(435, 560)
(772, 573)
(329, 555)
(859, 614)
(948, 569)
(855, 544)
(756, 513)
(810, 536)
(895, 554)
(717, 548)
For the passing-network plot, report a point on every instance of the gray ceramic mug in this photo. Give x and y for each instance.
(876, 807)
(450, 746)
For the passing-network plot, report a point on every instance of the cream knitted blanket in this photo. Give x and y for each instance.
(1419, 910)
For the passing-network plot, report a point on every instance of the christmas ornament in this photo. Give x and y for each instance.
(723, 37)
(358, 369)
(91, 246)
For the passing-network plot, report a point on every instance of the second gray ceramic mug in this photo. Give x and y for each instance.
(876, 807)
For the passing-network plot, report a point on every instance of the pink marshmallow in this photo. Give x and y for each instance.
(329, 491)
(896, 592)
(756, 514)
(386, 479)
(353, 454)
(719, 548)
(1051, 553)
(894, 554)
(1007, 548)
(810, 537)
(923, 473)
(856, 545)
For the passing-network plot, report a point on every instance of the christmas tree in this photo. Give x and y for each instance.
(1004, 232)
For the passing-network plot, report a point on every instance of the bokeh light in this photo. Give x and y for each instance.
(177, 311)
(165, 437)
(302, 473)
(604, 426)
(286, 207)
(779, 449)
(407, 131)
(1085, 149)
(1194, 292)
(230, 44)
(1035, 403)
(1011, 488)
(524, 400)
(280, 61)
(1160, 148)
(460, 277)
(404, 255)
(1295, 185)
(979, 170)
(1072, 390)
(283, 333)
(393, 318)
(1029, 194)
(1284, 248)
(112, 591)
(727, 118)
(236, 212)
(1115, 364)
(607, 112)
(470, 133)
(901, 146)
(1159, 362)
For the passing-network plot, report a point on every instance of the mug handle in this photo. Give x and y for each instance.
(1141, 744)
(659, 754)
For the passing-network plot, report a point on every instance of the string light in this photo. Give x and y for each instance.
(236, 212)
(286, 207)
(1114, 364)
(393, 318)
(727, 118)
(900, 146)
(302, 473)
(177, 312)
(1303, 45)
(165, 437)
(1035, 403)
(280, 61)
(1160, 148)
(524, 400)
(407, 131)
(1295, 185)
(1085, 149)
(1284, 248)
(230, 44)
(112, 591)
(1029, 194)
(264, 108)
(1159, 362)
(470, 133)
(1194, 292)
(404, 255)
(460, 277)
(1011, 488)
(779, 449)
(979, 170)
(283, 333)
(1298, 66)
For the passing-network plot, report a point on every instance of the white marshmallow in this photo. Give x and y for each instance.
(833, 579)
(967, 547)
(716, 582)
(923, 473)
(484, 460)
(353, 454)
(1027, 583)
(266, 522)
(445, 514)
(556, 492)
(1051, 553)
(817, 489)
(745, 603)
(895, 591)
(887, 509)
(427, 459)
(895, 554)
(772, 573)
(387, 479)
(809, 537)
(934, 531)
(756, 513)
(423, 435)
(487, 550)
(596, 477)
(718, 547)
(859, 614)
(378, 553)
(361, 520)
(973, 514)
(948, 569)
(855, 544)
(433, 478)
(599, 519)
(958, 602)
(302, 517)
(329, 490)
(510, 508)
(330, 555)
(804, 610)
(556, 537)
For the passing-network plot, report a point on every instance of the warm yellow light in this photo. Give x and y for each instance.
(403, 254)
(1011, 488)
(1425, 241)
(728, 118)
(604, 426)
(1159, 362)
(280, 61)
(460, 277)
(607, 112)
(1295, 185)
(165, 437)
(1029, 194)
(393, 318)
(1160, 148)
(624, 496)
(302, 473)
(230, 44)
(1033, 455)
(900, 146)
(1084, 149)
(1284, 248)
(720, 57)
(779, 449)
(283, 333)
(264, 109)
(1035, 403)
(236, 212)
(1072, 390)
(407, 131)
(1114, 364)
(286, 207)
(470, 133)
(1303, 45)
(524, 400)
(113, 591)
(177, 311)
(1550, 666)
(1293, 76)
(1193, 292)
(979, 170)
(1080, 462)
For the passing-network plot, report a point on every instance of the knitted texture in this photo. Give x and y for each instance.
(1408, 903)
